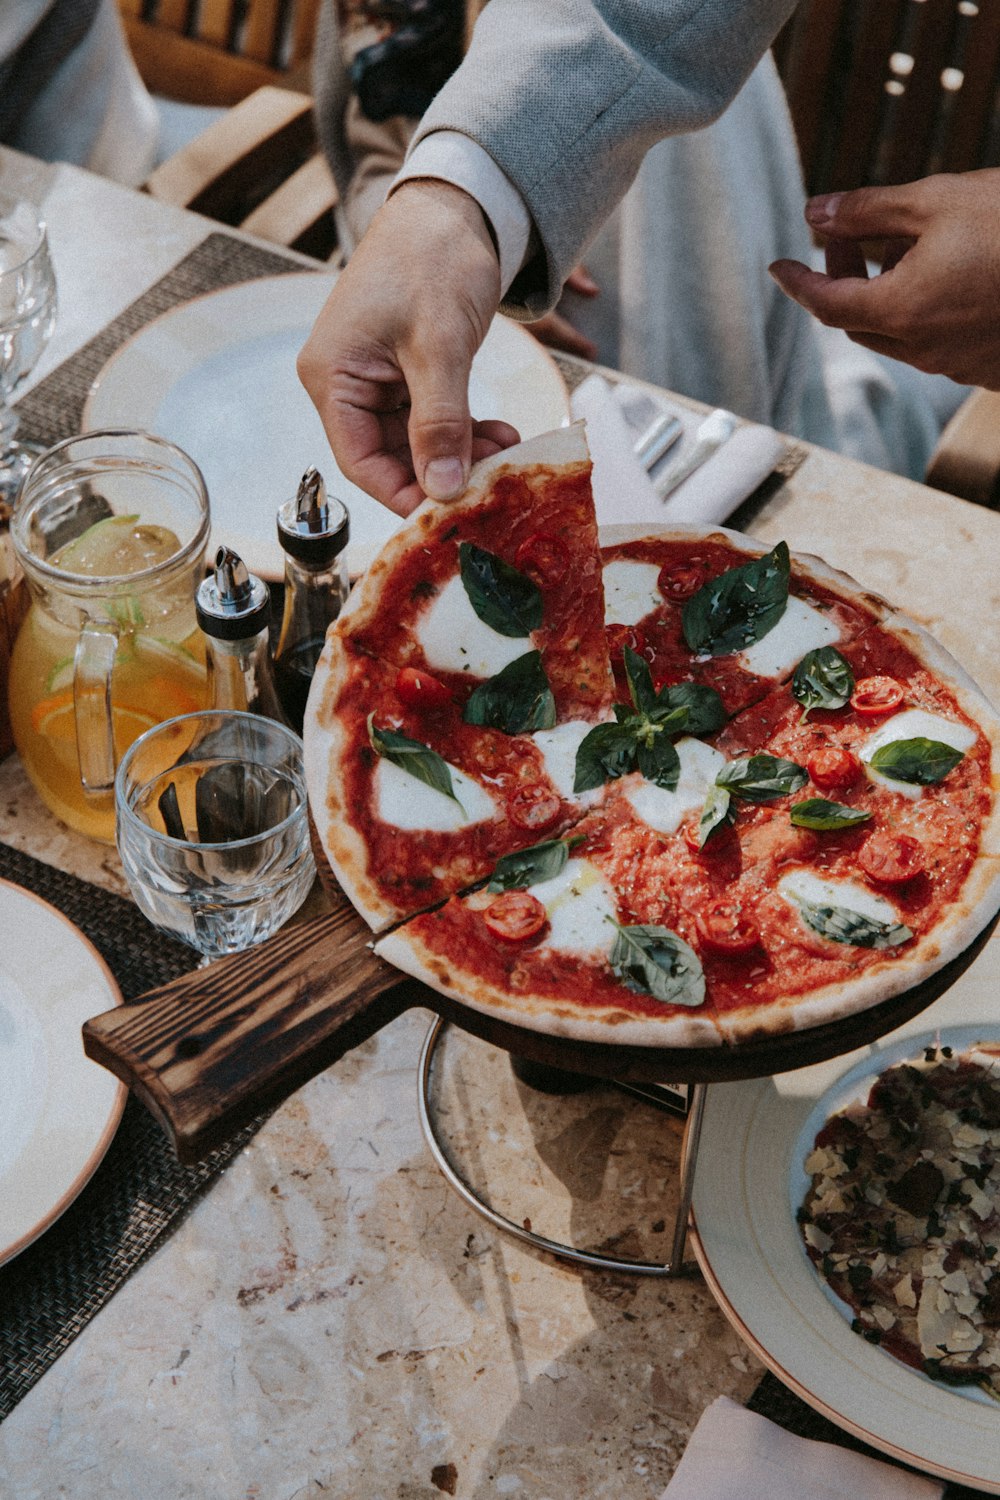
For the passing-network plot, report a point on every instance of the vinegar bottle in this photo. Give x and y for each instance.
(313, 531)
(233, 607)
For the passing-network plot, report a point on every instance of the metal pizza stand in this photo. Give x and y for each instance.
(212, 1050)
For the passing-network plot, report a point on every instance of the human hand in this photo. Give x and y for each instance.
(936, 303)
(387, 363)
(557, 331)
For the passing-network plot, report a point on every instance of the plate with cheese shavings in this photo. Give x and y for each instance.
(847, 1217)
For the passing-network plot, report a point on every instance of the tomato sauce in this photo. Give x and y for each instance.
(521, 509)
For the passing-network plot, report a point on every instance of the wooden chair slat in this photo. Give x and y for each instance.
(299, 213)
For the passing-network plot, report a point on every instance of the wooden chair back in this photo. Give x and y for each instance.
(886, 91)
(219, 51)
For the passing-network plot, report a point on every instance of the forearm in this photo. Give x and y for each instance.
(567, 96)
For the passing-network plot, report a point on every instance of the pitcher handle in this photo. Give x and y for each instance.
(92, 667)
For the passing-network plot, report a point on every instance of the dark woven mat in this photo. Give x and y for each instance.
(53, 409)
(774, 1400)
(139, 1192)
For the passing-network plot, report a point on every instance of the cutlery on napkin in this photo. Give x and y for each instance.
(736, 1453)
(624, 491)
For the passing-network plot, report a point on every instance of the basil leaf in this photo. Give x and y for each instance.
(818, 813)
(705, 711)
(516, 700)
(841, 925)
(640, 680)
(606, 752)
(413, 757)
(716, 813)
(503, 598)
(762, 778)
(739, 607)
(526, 867)
(659, 762)
(653, 961)
(920, 761)
(822, 679)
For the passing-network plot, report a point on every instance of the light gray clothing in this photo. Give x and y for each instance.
(567, 96)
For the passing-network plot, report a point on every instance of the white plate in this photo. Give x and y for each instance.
(58, 1110)
(217, 376)
(748, 1183)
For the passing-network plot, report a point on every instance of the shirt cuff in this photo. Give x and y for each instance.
(456, 158)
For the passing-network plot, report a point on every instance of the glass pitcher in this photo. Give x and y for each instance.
(111, 530)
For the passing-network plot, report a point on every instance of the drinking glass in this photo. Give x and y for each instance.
(110, 529)
(213, 831)
(27, 317)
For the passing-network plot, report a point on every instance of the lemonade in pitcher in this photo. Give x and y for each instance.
(110, 645)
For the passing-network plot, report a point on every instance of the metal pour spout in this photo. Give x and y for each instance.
(311, 509)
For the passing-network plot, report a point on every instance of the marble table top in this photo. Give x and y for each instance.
(331, 1319)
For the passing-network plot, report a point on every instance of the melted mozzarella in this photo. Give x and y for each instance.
(630, 591)
(455, 639)
(801, 628)
(664, 810)
(559, 747)
(913, 724)
(579, 903)
(803, 885)
(406, 802)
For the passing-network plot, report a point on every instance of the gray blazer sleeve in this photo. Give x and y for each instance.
(567, 96)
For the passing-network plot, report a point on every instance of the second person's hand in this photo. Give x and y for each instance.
(387, 363)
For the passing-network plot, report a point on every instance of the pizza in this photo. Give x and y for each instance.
(902, 1217)
(656, 788)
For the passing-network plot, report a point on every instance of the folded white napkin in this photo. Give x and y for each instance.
(733, 1454)
(622, 488)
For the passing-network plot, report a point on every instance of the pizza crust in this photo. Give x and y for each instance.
(405, 949)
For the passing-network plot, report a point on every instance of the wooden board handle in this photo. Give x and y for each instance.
(214, 1048)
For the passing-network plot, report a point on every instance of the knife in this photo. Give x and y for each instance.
(717, 427)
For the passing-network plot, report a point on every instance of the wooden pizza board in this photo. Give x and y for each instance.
(213, 1049)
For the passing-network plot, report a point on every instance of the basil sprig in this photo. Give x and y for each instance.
(822, 679)
(818, 813)
(739, 607)
(503, 598)
(413, 757)
(527, 867)
(652, 960)
(761, 778)
(920, 761)
(841, 925)
(642, 737)
(516, 700)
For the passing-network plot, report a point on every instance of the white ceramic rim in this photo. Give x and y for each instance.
(63, 1181)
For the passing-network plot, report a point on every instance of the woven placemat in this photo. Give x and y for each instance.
(53, 409)
(774, 1400)
(139, 1192)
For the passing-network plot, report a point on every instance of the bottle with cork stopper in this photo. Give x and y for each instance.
(313, 530)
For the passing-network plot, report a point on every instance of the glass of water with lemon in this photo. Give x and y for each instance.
(111, 530)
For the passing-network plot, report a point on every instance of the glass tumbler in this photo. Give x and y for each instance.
(212, 828)
(27, 317)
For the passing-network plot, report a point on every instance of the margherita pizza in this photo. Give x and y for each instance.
(678, 790)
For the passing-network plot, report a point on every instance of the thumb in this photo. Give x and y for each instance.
(869, 213)
(440, 426)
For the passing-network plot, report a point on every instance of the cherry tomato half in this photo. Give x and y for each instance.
(545, 557)
(832, 767)
(876, 695)
(533, 806)
(723, 928)
(620, 636)
(892, 858)
(420, 690)
(515, 916)
(680, 580)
